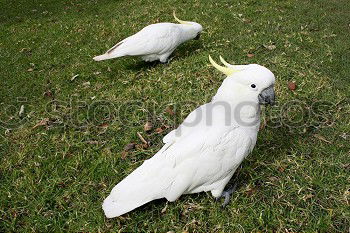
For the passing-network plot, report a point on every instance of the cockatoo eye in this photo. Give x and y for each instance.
(253, 86)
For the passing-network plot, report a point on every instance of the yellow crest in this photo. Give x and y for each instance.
(226, 70)
(180, 21)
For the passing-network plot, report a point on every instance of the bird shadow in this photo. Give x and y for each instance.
(188, 49)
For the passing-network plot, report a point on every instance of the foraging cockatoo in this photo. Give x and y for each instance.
(203, 153)
(155, 42)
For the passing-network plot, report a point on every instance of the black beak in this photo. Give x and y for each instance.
(267, 96)
(197, 37)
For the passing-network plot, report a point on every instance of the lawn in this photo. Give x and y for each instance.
(66, 119)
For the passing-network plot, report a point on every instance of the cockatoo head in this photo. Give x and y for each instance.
(193, 29)
(246, 83)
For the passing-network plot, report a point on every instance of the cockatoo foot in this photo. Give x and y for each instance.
(227, 195)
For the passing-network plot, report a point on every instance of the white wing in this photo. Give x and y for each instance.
(154, 39)
(193, 161)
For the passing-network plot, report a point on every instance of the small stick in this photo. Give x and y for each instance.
(141, 138)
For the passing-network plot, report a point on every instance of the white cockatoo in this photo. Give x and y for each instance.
(203, 153)
(155, 42)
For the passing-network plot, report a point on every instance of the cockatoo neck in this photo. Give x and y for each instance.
(242, 107)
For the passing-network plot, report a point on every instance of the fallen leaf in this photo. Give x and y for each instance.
(124, 154)
(130, 146)
(159, 130)
(250, 55)
(321, 138)
(281, 169)
(41, 123)
(104, 125)
(148, 126)
(48, 93)
(251, 191)
(142, 146)
(292, 86)
(169, 110)
(30, 69)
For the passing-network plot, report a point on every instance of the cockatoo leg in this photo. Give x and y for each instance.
(227, 194)
(232, 185)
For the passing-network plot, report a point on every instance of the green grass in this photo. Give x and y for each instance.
(54, 177)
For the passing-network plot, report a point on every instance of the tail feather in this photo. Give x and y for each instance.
(125, 199)
(106, 56)
(111, 53)
(102, 57)
(114, 208)
(143, 185)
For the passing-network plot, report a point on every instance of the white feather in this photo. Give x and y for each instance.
(154, 42)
